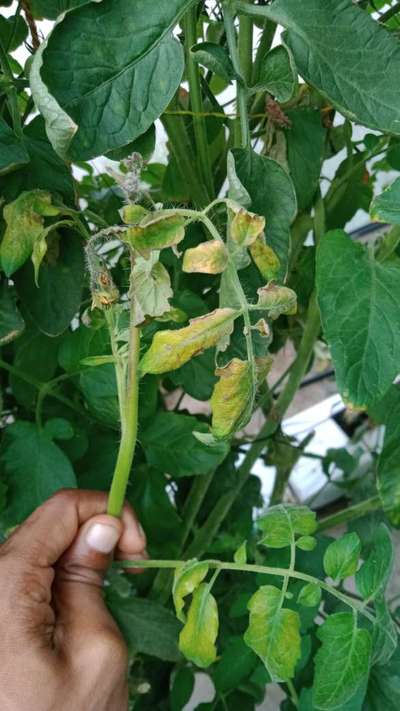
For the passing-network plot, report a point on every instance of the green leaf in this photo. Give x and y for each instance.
(305, 141)
(25, 227)
(306, 543)
(342, 556)
(197, 375)
(13, 32)
(143, 144)
(339, 63)
(374, 573)
(235, 664)
(148, 627)
(59, 428)
(383, 693)
(309, 595)
(53, 8)
(99, 387)
(384, 634)
(171, 349)
(281, 522)
(197, 639)
(388, 413)
(207, 258)
(186, 579)
(274, 633)
(13, 152)
(182, 688)
(137, 84)
(151, 288)
(342, 662)
(170, 446)
(386, 206)
(215, 58)
(232, 399)
(53, 305)
(240, 556)
(34, 469)
(360, 317)
(11, 322)
(272, 196)
(278, 74)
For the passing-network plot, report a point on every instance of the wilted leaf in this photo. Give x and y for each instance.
(274, 633)
(277, 300)
(342, 556)
(150, 288)
(197, 639)
(171, 349)
(282, 522)
(342, 663)
(360, 317)
(232, 399)
(265, 259)
(246, 227)
(207, 258)
(186, 579)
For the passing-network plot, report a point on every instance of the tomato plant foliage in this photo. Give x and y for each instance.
(146, 296)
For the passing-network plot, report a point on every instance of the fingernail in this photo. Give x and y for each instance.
(102, 538)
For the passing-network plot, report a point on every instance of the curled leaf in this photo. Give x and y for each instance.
(186, 580)
(171, 349)
(197, 639)
(277, 300)
(265, 258)
(246, 227)
(207, 258)
(232, 398)
(156, 234)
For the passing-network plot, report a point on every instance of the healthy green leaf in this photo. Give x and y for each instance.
(342, 556)
(151, 288)
(240, 556)
(11, 322)
(34, 468)
(169, 445)
(338, 63)
(388, 412)
(278, 74)
(171, 349)
(274, 633)
(235, 664)
(386, 206)
(383, 693)
(215, 58)
(342, 662)
(374, 573)
(134, 85)
(281, 522)
(99, 388)
(13, 31)
(309, 595)
(305, 139)
(53, 8)
(197, 375)
(197, 639)
(272, 196)
(182, 688)
(13, 152)
(360, 317)
(306, 543)
(186, 579)
(384, 634)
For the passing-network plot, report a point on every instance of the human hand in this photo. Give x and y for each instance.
(60, 649)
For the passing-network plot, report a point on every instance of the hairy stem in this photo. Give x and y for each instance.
(196, 103)
(351, 513)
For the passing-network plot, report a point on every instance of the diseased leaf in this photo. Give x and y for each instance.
(272, 196)
(278, 74)
(386, 206)
(342, 662)
(11, 322)
(360, 317)
(207, 258)
(374, 573)
(237, 191)
(338, 63)
(197, 639)
(96, 73)
(34, 468)
(274, 633)
(157, 234)
(232, 399)
(277, 300)
(186, 579)
(151, 288)
(215, 58)
(342, 556)
(281, 522)
(309, 595)
(265, 259)
(246, 227)
(171, 349)
(13, 152)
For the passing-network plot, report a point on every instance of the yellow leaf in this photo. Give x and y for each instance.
(133, 214)
(232, 399)
(246, 227)
(171, 349)
(197, 639)
(207, 258)
(187, 578)
(277, 300)
(266, 260)
(157, 234)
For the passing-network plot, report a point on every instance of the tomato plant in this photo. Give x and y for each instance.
(144, 302)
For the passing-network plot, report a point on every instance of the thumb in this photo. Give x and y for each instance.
(80, 609)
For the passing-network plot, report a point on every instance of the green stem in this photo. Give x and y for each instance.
(196, 103)
(129, 423)
(350, 513)
(242, 135)
(245, 47)
(183, 153)
(356, 605)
